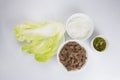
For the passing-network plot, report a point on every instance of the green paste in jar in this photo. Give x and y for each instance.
(99, 44)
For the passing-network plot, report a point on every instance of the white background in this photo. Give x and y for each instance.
(17, 65)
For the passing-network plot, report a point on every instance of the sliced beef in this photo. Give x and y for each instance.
(72, 56)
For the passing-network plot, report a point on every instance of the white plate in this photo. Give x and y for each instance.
(75, 19)
(17, 65)
(58, 52)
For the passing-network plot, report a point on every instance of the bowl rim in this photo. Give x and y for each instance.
(77, 15)
(61, 46)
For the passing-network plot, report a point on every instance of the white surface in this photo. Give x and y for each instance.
(17, 65)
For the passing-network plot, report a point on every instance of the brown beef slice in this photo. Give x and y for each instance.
(72, 56)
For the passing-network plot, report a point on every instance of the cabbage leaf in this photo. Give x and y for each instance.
(41, 39)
